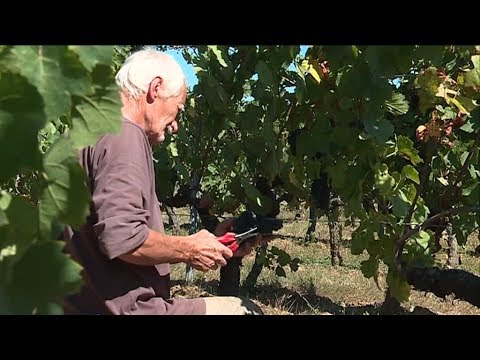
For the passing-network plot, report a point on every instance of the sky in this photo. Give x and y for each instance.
(188, 69)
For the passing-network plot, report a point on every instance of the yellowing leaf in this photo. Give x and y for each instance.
(457, 104)
(443, 91)
(442, 180)
(315, 74)
(218, 54)
(312, 67)
(305, 66)
(476, 61)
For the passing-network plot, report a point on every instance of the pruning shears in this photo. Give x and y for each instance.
(233, 241)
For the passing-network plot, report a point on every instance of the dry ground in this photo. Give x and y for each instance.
(317, 287)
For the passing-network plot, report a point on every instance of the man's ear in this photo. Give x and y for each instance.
(154, 89)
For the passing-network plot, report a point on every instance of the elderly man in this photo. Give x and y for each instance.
(123, 249)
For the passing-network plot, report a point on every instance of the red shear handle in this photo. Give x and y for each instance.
(229, 240)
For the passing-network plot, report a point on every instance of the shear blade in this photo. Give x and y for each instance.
(246, 235)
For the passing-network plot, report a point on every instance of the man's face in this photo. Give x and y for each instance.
(165, 114)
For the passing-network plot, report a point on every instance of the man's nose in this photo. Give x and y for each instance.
(174, 126)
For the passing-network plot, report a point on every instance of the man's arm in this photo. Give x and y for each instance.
(119, 177)
(122, 227)
(202, 250)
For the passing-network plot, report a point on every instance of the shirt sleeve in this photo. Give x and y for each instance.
(120, 182)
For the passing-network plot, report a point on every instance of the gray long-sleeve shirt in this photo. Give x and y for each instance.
(124, 208)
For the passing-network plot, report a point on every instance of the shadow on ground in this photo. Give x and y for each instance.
(298, 303)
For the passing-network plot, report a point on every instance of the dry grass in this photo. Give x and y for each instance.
(317, 287)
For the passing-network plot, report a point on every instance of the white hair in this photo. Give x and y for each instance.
(143, 66)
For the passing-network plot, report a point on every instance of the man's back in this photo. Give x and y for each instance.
(124, 208)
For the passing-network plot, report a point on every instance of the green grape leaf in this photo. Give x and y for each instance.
(427, 83)
(360, 239)
(3, 218)
(96, 116)
(5, 199)
(422, 238)
(401, 205)
(90, 56)
(261, 204)
(270, 165)
(336, 173)
(264, 73)
(381, 129)
(407, 151)
(356, 81)
(66, 196)
(216, 95)
(21, 117)
(283, 258)
(369, 267)
(429, 54)
(468, 127)
(21, 230)
(77, 79)
(43, 276)
(294, 264)
(469, 187)
(41, 65)
(399, 287)
(472, 76)
(397, 105)
(5, 304)
(339, 55)
(279, 271)
(421, 212)
(411, 173)
(383, 180)
(389, 60)
(300, 89)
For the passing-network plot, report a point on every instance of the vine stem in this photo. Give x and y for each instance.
(400, 242)
(194, 215)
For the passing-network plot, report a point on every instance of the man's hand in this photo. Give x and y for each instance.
(246, 247)
(206, 252)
